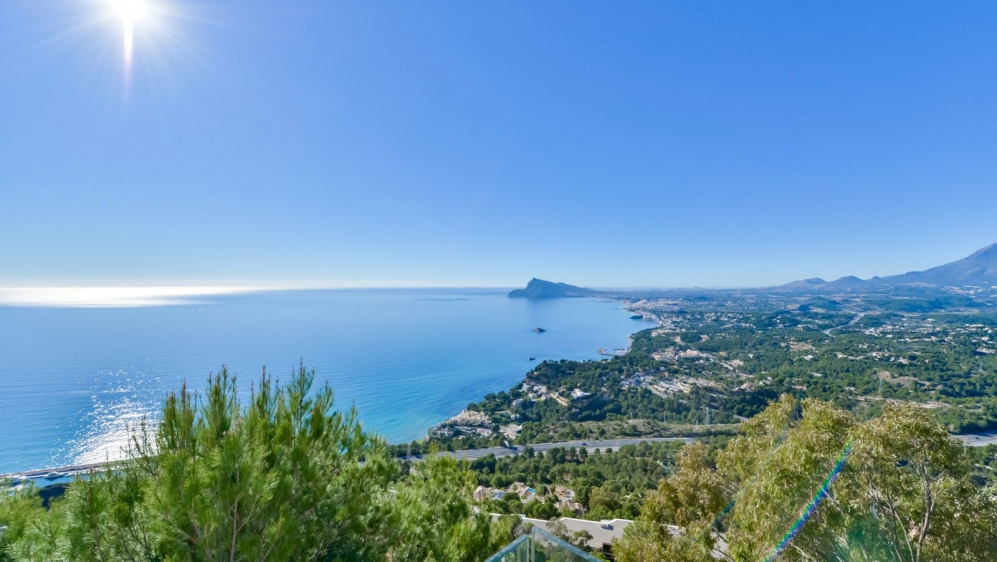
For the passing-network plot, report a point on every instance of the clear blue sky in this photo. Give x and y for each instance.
(484, 143)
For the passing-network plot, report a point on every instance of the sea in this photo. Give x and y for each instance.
(75, 376)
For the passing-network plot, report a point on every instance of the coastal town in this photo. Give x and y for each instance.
(478, 424)
(712, 358)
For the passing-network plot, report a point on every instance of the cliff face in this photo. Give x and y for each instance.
(540, 289)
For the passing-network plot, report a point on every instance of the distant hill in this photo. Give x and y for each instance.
(849, 281)
(540, 289)
(979, 269)
(806, 283)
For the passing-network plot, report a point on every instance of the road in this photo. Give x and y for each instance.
(973, 440)
(47, 476)
(67, 473)
(979, 439)
(851, 323)
(590, 446)
(61, 473)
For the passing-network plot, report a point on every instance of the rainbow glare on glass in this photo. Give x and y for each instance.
(822, 493)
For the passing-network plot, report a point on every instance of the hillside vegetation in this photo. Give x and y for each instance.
(805, 481)
(283, 477)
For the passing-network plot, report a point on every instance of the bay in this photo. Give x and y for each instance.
(75, 378)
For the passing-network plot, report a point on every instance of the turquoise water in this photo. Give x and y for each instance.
(75, 378)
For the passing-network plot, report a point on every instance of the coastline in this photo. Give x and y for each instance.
(629, 308)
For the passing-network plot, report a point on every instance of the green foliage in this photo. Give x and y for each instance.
(788, 473)
(285, 478)
(608, 485)
(434, 520)
(27, 530)
(506, 529)
(675, 519)
(906, 493)
(909, 486)
(281, 479)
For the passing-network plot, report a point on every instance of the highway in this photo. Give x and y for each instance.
(54, 475)
(590, 446)
(851, 323)
(67, 473)
(46, 476)
(978, 439)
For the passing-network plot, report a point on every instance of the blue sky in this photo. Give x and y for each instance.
(485, 143)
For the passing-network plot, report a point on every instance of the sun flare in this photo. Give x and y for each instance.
(129, 11)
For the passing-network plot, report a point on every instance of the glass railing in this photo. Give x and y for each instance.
(519, 550)
(541, 546)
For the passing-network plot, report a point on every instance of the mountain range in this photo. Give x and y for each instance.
(978, 269)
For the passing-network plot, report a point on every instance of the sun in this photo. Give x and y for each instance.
(129, 11)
